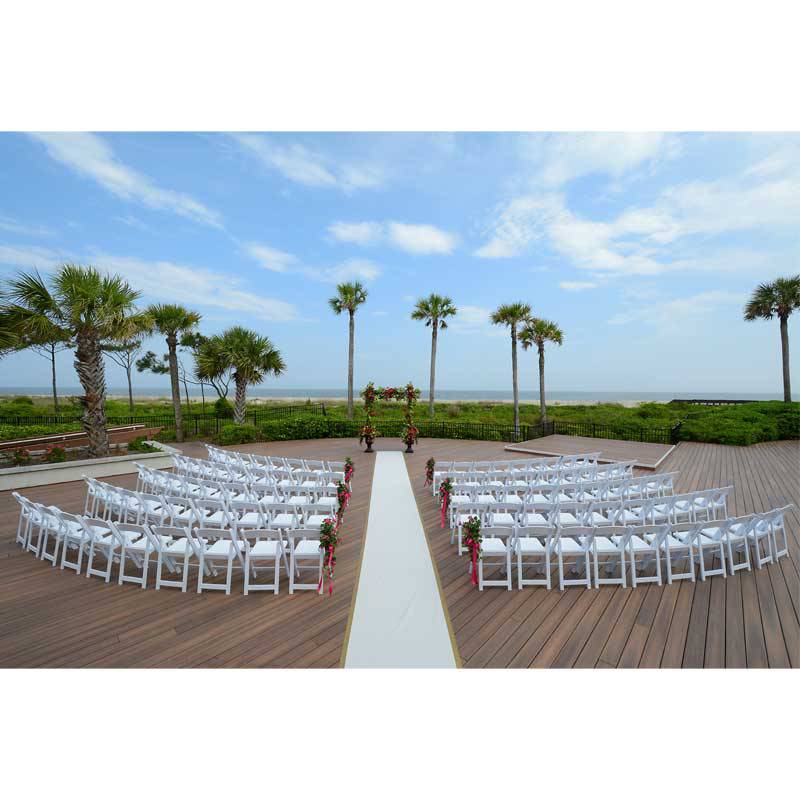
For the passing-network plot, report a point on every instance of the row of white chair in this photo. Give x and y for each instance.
(198, 468)
(554, 476)
(70, 539)
(524, 464)
(633, 549)
(235, 458)
(161, 482)
(707, 505)
(107, 501)
(651, 486)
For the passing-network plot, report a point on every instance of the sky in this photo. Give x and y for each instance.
(643, 247)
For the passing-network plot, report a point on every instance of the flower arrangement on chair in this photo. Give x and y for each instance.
(430, 466)
(328, 540)
(445, 490)
(471, 531)
(343, 496)
(349, 469)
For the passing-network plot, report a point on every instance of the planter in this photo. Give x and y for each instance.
(369, 440)
(67, 471)
(409, 448)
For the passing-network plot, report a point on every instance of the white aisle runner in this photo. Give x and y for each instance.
(398, 619)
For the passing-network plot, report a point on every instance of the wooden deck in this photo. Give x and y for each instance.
(647, 455)
(752, 619)
(54, 618)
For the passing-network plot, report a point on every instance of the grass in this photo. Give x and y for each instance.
(740, 424)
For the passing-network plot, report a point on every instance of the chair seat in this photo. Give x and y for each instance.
(570, 545)
(307, 547)
(140, 545)
(249, 518)
(493, 546)
(533, 519)
(223, 547)
(530, 544)
(299, 499)
(215, 518)
(265, 548)
(637, 543)
(178, 547)
(565, 518)
(315, 520)
(502, 518)
(282, 521)
(606, 544)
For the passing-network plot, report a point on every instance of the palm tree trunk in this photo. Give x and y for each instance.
(542, 404)
(89, 366)
(514, 378)
(172, 344)
(130, 387)
(203, 396)
(434, 337)
(787, 383)
(241, 401)
(350, 351)
(53, 374)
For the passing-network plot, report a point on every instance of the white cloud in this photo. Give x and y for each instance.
(92, 157)
(196, 286)
(352, 269)
(577, 286)
(411, 238)
(380, 313)
(270, 258)
(308, 167)
(421, 239)
(30, 257)
(518, 223)
(132, 222)
(362, 233)
(675, 313)
(279, 261)
(560, 158)
(475, 319)
(14, 226)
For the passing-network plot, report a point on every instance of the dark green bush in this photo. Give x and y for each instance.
(140, 445)
(8, 432)
(223, 407)
(237, 434)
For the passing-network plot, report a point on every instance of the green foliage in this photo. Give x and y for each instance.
(21, 401)
(140, 445)
(10, 432)
(55, 455)
(745, 424)
(299, 428)
(237, 434)
(20, 457)
(223, 407)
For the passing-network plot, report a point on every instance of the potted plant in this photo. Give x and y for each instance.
(410, 437)
(368, 435)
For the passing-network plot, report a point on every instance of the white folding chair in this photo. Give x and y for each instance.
(496, 547)
(647, 544)
(214, 548)
(138, 544)
(575, 543)
(262, 547)
(611, 546)
(534, 543)
(304, 554)
(176, 552)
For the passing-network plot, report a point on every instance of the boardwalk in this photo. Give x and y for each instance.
(54, 618)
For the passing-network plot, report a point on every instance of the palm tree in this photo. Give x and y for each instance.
(92, 310)
(171, 321)
(349, 296)
(250, 356)
(777, 299)
(434, 310)
(512, 315)
(537, 331)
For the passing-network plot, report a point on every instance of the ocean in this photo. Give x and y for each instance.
(477, 395)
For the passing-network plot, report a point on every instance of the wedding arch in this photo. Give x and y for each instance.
(408, 394)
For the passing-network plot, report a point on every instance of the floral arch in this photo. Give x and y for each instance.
(408, 394)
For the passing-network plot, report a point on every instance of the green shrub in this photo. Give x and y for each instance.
(305, 428)
(453, 411)
(9, 432)
(140, 445)
(55, 454)
(20, 457)
(223, 408)
(237, 434)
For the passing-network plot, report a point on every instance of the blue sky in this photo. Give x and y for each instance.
(643, 247)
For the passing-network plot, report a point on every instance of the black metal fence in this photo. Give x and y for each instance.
(211, 424)
(192, 423)
(389, 428)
